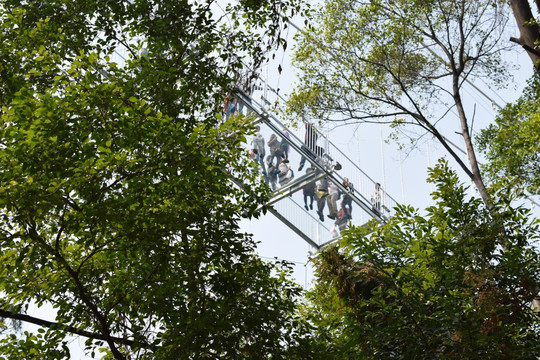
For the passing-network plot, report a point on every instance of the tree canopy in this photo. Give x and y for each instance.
(118, 211)
(459, 280)
(116, 202)
(512, 145)
(446, 284)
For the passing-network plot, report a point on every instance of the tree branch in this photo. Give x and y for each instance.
(524, 46)
(71, 329)
(86, 299)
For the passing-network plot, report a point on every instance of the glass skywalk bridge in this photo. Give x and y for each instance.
(324, 161)
(327, 162)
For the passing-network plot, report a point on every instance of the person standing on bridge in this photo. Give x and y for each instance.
(347, 199)
(376, 199)
(342, 218)
(284, 145)
(230, 106)
(275, 149)
(322, 193)
(333, 195)
(309, 192)
(272, 172)
(310, 143)
(257, 144)
(285, 173)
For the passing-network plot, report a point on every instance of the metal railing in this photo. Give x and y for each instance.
(306, 147)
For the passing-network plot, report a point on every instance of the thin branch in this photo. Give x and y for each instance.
(82, 292)
(71, 329)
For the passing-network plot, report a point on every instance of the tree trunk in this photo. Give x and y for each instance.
(473, 162)
(529, 31)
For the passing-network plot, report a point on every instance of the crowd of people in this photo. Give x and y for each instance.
(277, 172)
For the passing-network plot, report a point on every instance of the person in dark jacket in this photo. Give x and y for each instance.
(309, 192)
(275, 149)
(272, 172)
(347, 199)
(284, 145)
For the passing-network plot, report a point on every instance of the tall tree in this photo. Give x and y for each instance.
(529, 30)
(400, 62)
(444, 285)
(116, 204)
(511, 144)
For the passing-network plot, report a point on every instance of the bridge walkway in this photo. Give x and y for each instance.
(325, 161)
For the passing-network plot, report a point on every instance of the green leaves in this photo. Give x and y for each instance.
(511, 144)
(29, 346)
(399, 62)
(445, 284)
(116, 201)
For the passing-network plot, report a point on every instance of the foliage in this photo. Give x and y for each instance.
(401, 63)
(449, 284)
(512, 144)
(387, 58)
(116, 202)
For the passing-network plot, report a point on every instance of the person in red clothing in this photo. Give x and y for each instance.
(342, 218)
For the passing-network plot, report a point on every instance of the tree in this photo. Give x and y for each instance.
(116, 202)
(400, 62)
(441, 285)
(529, 30)
(459, 281)
(511, 144)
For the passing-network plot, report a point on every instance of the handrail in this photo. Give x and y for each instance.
(331, 163)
